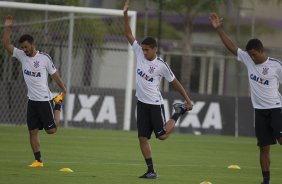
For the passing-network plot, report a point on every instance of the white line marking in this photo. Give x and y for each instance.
(139, 164)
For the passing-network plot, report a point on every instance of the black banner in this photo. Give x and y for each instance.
(210, 115)
(104, 109)
(245, 117)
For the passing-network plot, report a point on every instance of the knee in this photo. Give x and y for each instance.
(142, 140)
(51, 131)
(163, 137)
(280, 140)
(33, 133)
(264, 150)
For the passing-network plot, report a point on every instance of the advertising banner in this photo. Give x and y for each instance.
(210, 114)
(104, 109)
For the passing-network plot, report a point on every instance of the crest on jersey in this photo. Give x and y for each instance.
(151, 70)
(36, 64)
(265, 71)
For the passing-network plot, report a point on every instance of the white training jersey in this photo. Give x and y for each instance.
(264, 81)
(148, 77)
(35, 72)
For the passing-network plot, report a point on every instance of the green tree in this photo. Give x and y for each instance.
(55, 2)
(188, 11)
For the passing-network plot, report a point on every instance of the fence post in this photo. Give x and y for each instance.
(130, 77)
(69, 67)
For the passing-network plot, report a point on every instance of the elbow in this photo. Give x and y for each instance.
(130, 39)
(6, 44)
(234, 51)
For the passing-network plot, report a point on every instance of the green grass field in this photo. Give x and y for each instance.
(113, 157)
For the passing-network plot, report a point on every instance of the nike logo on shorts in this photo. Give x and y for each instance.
(159, 132)
(50, 125)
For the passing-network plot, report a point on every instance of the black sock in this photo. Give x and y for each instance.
(37, 156)
(58, 106)
(266, 176)
(150, 165)
(175, 116)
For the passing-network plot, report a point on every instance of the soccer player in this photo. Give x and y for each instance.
(150, 110)
(41, 110)
(265, 74)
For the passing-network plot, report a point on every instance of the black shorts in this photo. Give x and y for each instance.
(150, 118)
(40, 115)
(268, 126)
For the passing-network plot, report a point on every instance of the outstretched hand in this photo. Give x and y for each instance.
(8, 21)
(125, 8)
(215, 20)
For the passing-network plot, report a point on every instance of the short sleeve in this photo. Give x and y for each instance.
(19, 54)
(137, 50)
(167, 73)
(244, 57)
(280, 74)
(51, 69)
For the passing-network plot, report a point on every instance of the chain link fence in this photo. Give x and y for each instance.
(96, 70)
(94, 59)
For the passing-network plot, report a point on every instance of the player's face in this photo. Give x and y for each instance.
(257, 56)
(28, 48)
(149, 52)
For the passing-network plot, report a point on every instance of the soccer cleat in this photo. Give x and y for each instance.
(59, 98)
(180, 108)
(149, 175)
(265, 182)
(36, 163)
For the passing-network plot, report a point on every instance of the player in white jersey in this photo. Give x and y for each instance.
(264, 74)
(36, 67)
(150, 110)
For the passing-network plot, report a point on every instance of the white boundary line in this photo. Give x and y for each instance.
(140, 164)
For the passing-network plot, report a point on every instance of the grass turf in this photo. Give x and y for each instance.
(113, 157)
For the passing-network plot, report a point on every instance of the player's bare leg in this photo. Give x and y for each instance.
(57, 117)
(265, 163)
(280, 140)
(35, 146)
(168, 129)
(180, 109)
(145, 147)
(146, 152)
(57, 113)
(34, 140)
(57, 109)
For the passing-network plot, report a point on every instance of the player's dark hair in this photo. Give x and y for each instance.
(26, 37)
(255, 44)
(150, 41)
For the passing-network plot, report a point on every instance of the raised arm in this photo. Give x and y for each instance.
(7, 35)
(178, 87)
(128, 32)
(217, 24)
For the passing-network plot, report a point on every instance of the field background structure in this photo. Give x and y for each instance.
(113, 157)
